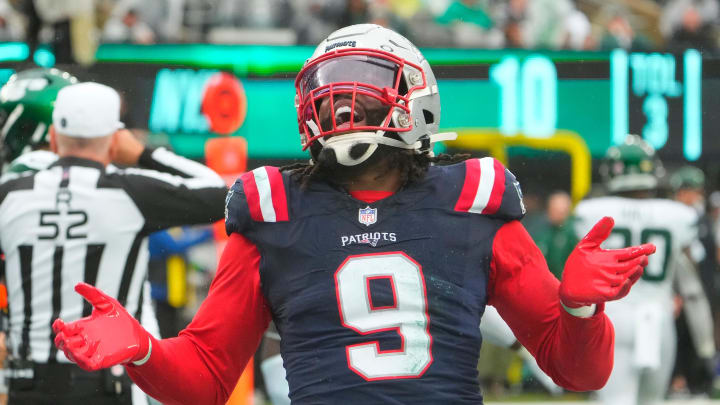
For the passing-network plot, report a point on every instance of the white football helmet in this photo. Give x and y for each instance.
(378, 63)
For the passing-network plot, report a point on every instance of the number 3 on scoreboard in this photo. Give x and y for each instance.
(408, 316)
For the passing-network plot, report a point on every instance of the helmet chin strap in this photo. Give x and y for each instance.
(342, 144)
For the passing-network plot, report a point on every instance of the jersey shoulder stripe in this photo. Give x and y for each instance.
(265, 192)
(483, 188)
(257, 196)
(16, 182)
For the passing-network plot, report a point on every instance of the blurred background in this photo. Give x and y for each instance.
(546, 86)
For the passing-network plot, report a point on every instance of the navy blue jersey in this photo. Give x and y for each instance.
(378, 302)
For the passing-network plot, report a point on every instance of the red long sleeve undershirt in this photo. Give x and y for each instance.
(577, 353)
(203, 363)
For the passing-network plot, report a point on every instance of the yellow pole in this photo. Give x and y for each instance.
(570, 142)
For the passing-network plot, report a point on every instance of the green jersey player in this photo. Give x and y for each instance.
(644, 329)
(26, 105)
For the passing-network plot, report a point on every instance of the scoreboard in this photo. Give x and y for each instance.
(668, 98)
(528, 100)
(662, 95)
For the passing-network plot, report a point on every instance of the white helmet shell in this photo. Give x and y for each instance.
(412, 95)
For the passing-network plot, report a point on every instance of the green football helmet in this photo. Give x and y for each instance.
(631, 166)
(26, 105)
(687, 177)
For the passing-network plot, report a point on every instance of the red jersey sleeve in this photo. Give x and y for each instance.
(202, 365)
(577, 353)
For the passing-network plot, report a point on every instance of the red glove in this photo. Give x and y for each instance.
(593, 275)
(109, 336)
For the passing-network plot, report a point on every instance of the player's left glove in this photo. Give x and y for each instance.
(109, 336)
(593, 275)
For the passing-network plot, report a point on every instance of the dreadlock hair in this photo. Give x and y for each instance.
(412, 166)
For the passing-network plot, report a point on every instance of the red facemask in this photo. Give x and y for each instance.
(336, 79)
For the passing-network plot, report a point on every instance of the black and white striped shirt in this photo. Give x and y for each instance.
(77, 221)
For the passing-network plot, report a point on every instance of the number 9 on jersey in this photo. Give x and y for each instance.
(408, 315)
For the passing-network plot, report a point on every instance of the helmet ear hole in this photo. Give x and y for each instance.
(429, 116)
(402, 87)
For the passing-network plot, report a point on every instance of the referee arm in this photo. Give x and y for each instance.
(168, 189)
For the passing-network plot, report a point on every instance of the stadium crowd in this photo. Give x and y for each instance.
(541, 24)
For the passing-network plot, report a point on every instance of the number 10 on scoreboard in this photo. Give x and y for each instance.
(528, 95)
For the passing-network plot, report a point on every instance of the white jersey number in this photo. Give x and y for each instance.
(656, 269)
(408, 315)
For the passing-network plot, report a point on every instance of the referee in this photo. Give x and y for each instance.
(83, 219)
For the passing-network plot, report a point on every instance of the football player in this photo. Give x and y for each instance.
(375, 262)
(644, 325)
(26, 105)
(694, 367)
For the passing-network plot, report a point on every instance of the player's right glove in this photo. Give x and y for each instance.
(109, 336)
(593, 275)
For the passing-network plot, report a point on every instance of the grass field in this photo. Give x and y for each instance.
(577, 399)
(563, 402)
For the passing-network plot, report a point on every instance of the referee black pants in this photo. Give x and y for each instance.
(68, 384)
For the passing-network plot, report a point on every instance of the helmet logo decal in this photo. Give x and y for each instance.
(26, 105)
(367, 216)
(39, 132)
(339, 44)
(16, 89)
(14, 115)
(389, 48)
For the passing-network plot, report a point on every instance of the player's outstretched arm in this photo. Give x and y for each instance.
(202, 364)
(576, 351)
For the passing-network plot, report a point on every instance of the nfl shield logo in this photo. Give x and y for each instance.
(367, 215)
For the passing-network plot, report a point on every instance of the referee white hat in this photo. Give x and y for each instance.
(87, 110)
